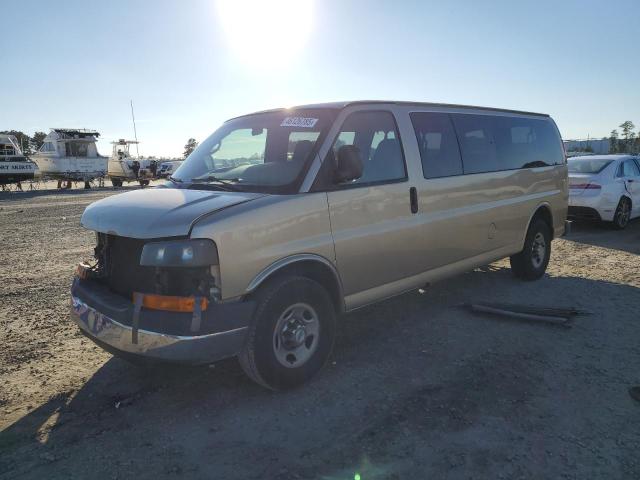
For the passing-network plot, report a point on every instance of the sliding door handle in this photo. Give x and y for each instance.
(413, 199)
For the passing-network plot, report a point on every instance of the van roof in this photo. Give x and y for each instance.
(341, 105)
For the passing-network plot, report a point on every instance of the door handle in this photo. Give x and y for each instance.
(413, 199)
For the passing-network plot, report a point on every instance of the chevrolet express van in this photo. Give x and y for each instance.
(283, 220)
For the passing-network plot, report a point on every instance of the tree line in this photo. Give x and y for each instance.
(28, 144)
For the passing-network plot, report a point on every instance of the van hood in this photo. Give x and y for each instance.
(157, 212)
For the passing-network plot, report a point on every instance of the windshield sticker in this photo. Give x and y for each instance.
(299, 122)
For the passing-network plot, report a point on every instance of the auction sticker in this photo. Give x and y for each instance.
(299, 122)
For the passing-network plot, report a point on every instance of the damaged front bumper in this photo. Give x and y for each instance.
(107, 319)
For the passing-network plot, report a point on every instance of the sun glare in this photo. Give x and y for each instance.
(266, 33)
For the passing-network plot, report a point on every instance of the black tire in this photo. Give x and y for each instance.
(531, 262)
(623, 214)
(258, 357)
(116, 182)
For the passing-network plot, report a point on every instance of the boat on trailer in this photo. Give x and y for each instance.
(14, 166)
(71, 154)
(123, 167)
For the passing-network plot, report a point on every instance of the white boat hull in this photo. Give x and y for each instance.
(71, 168)
(13, 172)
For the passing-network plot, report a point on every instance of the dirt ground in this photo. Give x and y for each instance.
(417, 387)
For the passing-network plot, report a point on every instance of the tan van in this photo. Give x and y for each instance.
(283, 220)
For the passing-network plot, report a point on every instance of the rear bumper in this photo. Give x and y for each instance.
(592, 207)
(583, 213)
(91, 311)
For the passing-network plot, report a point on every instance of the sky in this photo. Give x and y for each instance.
(188, 65)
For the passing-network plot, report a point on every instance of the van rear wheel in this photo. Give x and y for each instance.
(291, 335)
(532, 261)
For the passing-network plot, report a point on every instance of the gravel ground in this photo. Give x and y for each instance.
(417, 387)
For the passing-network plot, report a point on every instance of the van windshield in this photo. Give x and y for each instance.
(266, 152)
(587, 165)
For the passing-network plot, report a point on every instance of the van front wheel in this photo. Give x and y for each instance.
(291, 335)
(532, 261)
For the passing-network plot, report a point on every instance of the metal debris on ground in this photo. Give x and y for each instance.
(555, 315)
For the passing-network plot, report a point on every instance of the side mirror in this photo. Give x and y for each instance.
(349, 164)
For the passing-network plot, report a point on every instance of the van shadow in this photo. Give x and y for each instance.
(603, 235)
(206, 418)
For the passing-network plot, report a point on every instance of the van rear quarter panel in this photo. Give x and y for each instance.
(468, 215)
(252, 236)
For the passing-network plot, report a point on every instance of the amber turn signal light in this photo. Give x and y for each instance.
(171, 303)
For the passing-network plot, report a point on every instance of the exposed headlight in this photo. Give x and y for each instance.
(180, 253)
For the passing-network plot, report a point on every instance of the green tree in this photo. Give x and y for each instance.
(613, 141)
(37, 140)
(628, 134)
(190, 147)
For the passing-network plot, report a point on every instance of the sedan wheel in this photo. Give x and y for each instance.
(623, 214)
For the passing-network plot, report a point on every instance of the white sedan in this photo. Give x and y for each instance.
(605, 188)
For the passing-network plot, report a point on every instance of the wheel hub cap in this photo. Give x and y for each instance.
(296, 335)
(538, 250)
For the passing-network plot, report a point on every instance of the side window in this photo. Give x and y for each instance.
(477, 144)
(438, 145)
(526, 143)
(75, 149)
(375, 135)
(629, 169)
(494, 142)
(47, 147)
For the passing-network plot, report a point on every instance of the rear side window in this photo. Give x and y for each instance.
(438, 145)
(491, 143)
(628, 168)
(475, 134)
(526, 143)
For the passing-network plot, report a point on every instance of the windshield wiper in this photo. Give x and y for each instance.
(226, 183)
(174, 180)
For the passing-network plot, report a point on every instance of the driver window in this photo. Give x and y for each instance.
(375, 135)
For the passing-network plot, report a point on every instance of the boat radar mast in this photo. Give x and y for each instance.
(135, 133)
